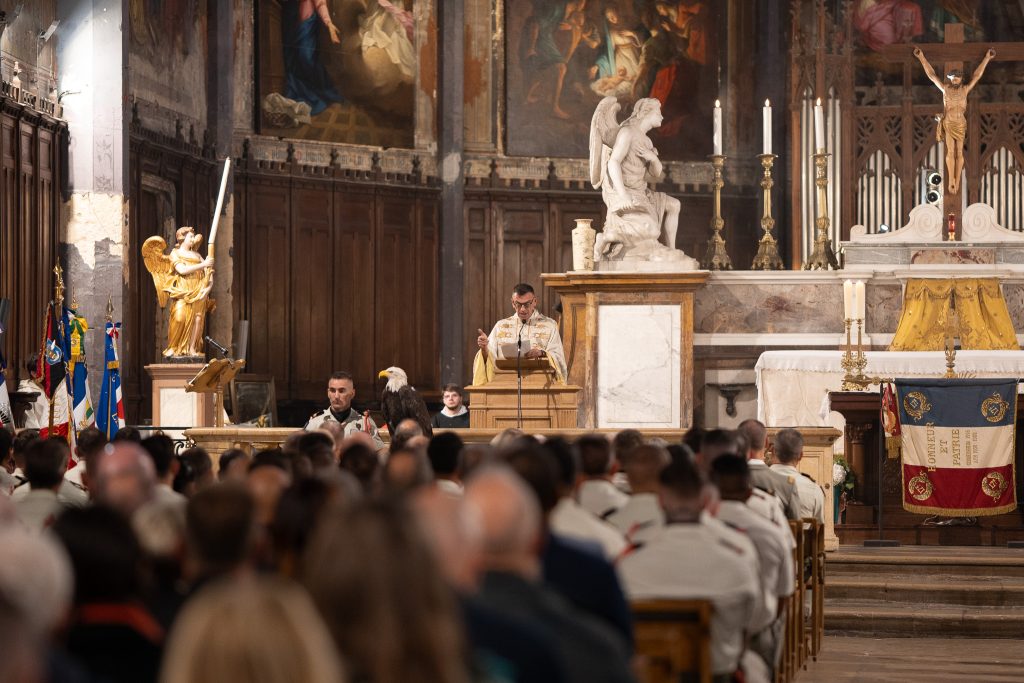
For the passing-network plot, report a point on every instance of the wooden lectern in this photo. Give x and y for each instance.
(214, 376)
(546, 403)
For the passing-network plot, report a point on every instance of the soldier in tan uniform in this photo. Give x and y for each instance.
(340, 392)
(789, 448)
(538, 332)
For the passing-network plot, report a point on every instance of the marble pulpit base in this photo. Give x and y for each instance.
(628, 339)
(172, 405)
(638, 355)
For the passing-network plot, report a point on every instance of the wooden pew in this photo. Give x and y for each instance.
(673, 640)
(817, 587)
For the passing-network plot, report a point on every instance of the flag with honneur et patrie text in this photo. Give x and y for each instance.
(958, 445)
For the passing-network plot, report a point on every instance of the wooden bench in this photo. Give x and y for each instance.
(673, 640)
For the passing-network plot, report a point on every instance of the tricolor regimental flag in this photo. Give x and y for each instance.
(110, 412)
(958, 445)
(75, 327)
(52, 373)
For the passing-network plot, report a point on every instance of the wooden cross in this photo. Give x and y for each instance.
(952, 54)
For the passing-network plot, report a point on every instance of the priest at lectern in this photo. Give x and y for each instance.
(527, 332)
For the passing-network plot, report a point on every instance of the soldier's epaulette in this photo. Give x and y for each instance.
(731, 546)
(791, 479)
(808, 476)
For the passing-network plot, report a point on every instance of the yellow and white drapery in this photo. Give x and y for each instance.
(983, 321)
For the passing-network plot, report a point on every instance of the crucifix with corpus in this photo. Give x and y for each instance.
(952, 126)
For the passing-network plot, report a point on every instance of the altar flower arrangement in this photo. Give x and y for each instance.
(844, 481)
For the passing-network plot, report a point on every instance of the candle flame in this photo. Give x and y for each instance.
(718, 105)
(767, 103)
(818, 103)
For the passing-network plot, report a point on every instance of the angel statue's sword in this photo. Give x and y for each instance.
(216, 211)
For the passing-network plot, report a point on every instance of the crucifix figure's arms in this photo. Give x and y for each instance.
(928, 70)
(981, 69)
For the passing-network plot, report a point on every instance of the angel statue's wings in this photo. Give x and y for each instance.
(159, 266)
(603, 128)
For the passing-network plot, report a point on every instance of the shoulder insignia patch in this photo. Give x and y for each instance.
(791, 479)
(735, 548)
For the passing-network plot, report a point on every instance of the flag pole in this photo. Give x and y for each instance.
(58, 303)
(216, 210)
(106, 373)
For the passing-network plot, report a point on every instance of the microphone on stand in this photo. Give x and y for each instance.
(519, 374)
(211, 342)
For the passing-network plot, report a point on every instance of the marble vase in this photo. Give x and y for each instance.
(583, 238)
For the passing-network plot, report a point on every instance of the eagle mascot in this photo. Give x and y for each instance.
(399, 401)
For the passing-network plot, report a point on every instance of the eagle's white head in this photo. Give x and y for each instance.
(396, 378)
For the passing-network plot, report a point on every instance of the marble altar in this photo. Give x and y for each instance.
(793, 386)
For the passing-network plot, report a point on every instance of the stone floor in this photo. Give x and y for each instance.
(922, 614)
(916, 660)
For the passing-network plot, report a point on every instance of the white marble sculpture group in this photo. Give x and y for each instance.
(640, 226)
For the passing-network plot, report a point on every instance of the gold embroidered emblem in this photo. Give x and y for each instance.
(920, 487)
(994, 484)
(994, 408)
(916, 404)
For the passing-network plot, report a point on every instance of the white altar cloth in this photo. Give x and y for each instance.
(793, 386)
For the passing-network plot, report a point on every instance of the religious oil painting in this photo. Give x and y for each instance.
(564, 56)
(337, 70)
(877, 25)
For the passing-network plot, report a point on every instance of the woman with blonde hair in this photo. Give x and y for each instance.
(256, 630)
(378, 587)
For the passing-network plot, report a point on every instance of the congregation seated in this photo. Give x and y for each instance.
(511, 523)
(789, 449)
(436, 562)
(596, 492)
(574, 568)
(641, 516)
(688, 559)
(571, 519)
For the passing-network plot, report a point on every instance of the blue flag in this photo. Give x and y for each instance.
(110, 412)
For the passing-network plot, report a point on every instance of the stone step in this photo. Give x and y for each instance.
(917, 561)
(916, 589)
(911, 620)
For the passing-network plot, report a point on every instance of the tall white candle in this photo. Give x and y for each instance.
(859, 297)
(848, 299)
(717, 130)
(766, 120)
(819, 127)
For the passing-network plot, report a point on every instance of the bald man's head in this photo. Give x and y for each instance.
(510, 521)
(125, 477)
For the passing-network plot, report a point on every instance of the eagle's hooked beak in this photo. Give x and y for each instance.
(383, 373)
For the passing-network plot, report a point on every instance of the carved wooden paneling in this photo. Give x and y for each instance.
(311, 268)
(342, 275)
(30, 166)
(268, 282)
(354, 304)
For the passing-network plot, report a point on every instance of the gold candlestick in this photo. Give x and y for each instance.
(854, 362)
(767, 251)
(822, 257)
(716, 257)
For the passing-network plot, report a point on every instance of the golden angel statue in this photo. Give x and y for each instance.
(186, 278)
